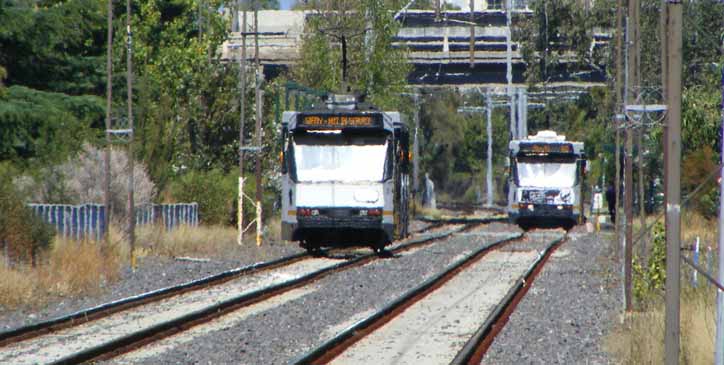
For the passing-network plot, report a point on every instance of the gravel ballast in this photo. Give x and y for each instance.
(566, 314)
(155, 273)
(281, 333)
(563, 318)
(152, 273)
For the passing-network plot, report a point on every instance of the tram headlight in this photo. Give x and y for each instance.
(375, 212)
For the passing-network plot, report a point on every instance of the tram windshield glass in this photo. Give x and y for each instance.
(326, 157)
(544, 173)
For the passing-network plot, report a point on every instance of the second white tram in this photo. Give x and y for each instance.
(545, 180)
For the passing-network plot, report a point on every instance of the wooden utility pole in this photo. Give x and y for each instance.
(640, 130)
(618, 112)
(242, 118)
(631, 96)
(129, 86)
(258, 97)
(109, 105)
(673, 185)
(719, 340)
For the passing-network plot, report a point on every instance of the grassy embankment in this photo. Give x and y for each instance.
(84, 268)
(640, 339)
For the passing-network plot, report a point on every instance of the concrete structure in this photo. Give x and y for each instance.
(439, 49)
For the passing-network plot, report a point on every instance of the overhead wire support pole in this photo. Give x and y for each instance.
(640, 129)
(258, 97)
(509, 67)
(472, 34)
(129, 85)
(242, 119)
(719, 341)
(618, 116)
(628, 179)
(109, 106)
(489, 168)
(416, 151)
(673, 185)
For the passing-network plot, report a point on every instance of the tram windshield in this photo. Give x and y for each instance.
(544, 173)
(339, 158)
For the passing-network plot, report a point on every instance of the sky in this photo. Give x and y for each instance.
(286, 4)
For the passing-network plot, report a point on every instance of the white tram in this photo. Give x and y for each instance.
(345, 175)
(545, 180)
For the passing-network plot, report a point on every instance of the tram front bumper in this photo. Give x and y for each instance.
(334, 226)
(530, 210)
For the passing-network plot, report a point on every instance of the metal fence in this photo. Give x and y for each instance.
(170, 215)
(86, 221)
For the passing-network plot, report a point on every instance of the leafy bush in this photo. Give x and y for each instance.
(652, 277)
(213, 190)
(216, 194)
(21, 232)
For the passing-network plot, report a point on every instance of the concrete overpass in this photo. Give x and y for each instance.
(439, 49)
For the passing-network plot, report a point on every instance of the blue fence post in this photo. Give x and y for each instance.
(695, 276)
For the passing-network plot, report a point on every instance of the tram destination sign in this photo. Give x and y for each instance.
(546, 148)
(339, 121)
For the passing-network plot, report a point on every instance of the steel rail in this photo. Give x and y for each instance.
(474, 350)
(103, 310)
(464, 220)
(331, 348)
(147, 335)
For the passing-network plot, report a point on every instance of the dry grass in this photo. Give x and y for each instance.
(205, 241)
(80, 268)
(640, 339)
(201, 241)
(70, 268)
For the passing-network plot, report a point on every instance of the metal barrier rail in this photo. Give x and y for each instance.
(170, 215)
(85, 221)
(88, 221)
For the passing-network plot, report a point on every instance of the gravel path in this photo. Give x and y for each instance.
(568, 311)
(276, 335)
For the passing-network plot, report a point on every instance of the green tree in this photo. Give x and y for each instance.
(40, 50)
(373, 65)
(39, 128)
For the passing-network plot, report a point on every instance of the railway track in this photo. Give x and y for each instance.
(426, 324)
(203, 301)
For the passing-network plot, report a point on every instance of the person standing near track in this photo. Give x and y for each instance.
(611, 200)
